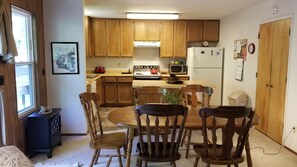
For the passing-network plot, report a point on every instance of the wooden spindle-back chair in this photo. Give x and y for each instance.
(99, 140)
(165, 117)
(228, 124)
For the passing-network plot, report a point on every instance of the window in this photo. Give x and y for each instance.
(24, 62)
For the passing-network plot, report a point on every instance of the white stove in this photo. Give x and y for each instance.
(146, 72)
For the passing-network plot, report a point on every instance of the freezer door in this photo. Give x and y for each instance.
(213, 76)
(208, 57)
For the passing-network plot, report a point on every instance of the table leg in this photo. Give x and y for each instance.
(248, 154)
(129, 147)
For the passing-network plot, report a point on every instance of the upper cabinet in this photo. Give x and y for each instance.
(166, 46)
(99, 41)
(203, 30)
(127, 36)
(173, 39)
(113, 37)
(180, 39)
(147, 30)
(211, 31)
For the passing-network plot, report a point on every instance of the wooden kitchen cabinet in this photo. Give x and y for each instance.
(180, 39)
(166, 39)
(125, 91)
(99, 41)
(183, 78)
(127, 36)
(88, 36)
(173, 39)
(113, 37)
(118, 91)
(147, 30)
(211, 30)
(195, 31)
(99, 90)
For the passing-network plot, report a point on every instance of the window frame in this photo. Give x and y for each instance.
(31, 62)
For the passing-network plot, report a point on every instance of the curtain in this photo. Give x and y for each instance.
(7, 44)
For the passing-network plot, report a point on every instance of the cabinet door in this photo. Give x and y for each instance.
(99, 37)
(166, 48)
(180, 39)
(127, 38)
(125, 91)
(140, 30)
(211, 30)
(153, 30)
(99, 90)
(113, 37)
(195, 31)
(110, 90)
(88, 36)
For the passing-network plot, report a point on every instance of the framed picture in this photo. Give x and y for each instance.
(65, 57)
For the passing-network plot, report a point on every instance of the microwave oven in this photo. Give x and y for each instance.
(178, 69)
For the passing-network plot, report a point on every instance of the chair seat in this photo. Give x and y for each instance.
(160, 158)
(109, 141)
(199, 149)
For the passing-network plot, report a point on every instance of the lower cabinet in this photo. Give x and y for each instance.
(118, 91)
(43, 132)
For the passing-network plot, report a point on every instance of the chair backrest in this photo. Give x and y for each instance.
(195, 94)
(153, 118)
(89, 101)
(230, 120)
(148, 94)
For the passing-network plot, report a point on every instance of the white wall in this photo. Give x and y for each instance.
(63, 22)
(245, 24)
(142, 56)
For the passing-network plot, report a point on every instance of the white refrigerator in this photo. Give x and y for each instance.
(206, 64)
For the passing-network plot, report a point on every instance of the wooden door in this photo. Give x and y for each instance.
(140, 33)
(195, 31)
(272, 77)
(113, 37)
(180, 39)
(110, 90)
(99, 37)
(166, 46)
(127, 38)
(88, 36)
(211, 30)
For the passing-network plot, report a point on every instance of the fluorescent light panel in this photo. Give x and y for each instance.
(164, 16)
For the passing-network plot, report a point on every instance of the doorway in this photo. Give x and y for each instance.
(274, 41)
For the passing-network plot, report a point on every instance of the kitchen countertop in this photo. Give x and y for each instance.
(163, 84)
(92, 77)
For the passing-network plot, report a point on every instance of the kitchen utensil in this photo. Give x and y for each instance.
(100, 69)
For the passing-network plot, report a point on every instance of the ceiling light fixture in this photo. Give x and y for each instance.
(161, 16)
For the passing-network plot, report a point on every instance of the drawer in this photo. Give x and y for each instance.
(110, 79)
(125, 79)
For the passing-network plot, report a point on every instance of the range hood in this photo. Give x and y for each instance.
(147, 44)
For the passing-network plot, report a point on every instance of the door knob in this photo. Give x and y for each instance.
(267, 85)
(271, 86)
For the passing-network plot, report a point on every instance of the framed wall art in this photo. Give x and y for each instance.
(65, 58)
(240, 48)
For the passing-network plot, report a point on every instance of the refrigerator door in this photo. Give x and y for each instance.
(214, 76)
(208, 57)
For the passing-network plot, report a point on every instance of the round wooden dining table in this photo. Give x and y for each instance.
(126, 117)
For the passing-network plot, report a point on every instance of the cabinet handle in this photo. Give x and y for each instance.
(267, 85)
(271, 86)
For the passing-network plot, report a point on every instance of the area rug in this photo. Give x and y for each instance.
(56, 165)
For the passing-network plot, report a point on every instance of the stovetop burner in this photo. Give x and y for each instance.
(144, 72)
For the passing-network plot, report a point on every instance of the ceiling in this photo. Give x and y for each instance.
(188, 9)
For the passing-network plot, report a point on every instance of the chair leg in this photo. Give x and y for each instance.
(236, 165)
(183, 138)
(94, 158)
(207, 165)
(173, 164)
(196, 161)
(119, 157)
(188, 143)
(97, 156)
(145, 163)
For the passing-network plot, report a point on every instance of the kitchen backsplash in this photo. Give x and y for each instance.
(142, 56)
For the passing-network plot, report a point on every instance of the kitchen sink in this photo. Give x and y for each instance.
(91, 76)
